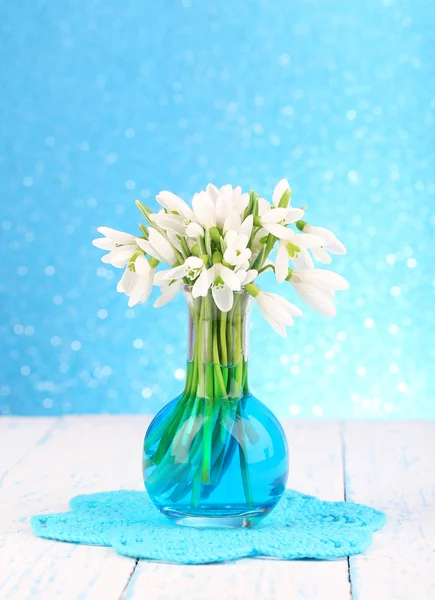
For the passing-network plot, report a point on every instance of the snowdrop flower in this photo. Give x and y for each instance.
(274, 218)
(295, 249)
(277, 311)
(246, 275)
(169, 289)
(330, 242)
(237, 252)
(137, 280)
(190, 269)
(235, 199)
(121, 246)
(317, 288)
(213, 207)
(193, 269)
(157, 246)
(223, 282)
(168, 221)
(175, 205)
(204, 208)
(233, 222)
(194, 230)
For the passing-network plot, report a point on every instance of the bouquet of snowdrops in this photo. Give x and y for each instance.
(223, 243)
(216, 250)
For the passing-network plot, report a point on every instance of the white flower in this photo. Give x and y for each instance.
(277, 311)
(194, 230)
(137, 281)
(230, 199)
(295, 249)
(190, 269)
(169, 289)
(168, 221)
(121, 246)
(237, 252)
(174, 204)
(275, 218)
(214, 207)
(330, 243)
(193, 269)
(280, 189)
(223, 282)
(233, 222)
(246, 275)
(204, 208)
(158, 247)
(317, 288)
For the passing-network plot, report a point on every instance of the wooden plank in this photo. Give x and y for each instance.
(315, 468)
(80, 455)
(18, 435)
(391, 466)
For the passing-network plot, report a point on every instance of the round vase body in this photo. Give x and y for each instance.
(216, 456)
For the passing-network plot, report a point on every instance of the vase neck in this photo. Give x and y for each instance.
(218, 346)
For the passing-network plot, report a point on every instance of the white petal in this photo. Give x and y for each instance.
(322, 255)
(223, 298)
(120, 237)
(241, 274)
(161, 244)
(305, 240)
(283, 307)
(172, 202)
(168, 294)
(104, 244)
(281, 263)
(242, 202)
(320, 300)
(165, 221)
(281, 187)
(231, 239)
(337, 248)
(160, 277)
(230, 256)
(303, 260)
(275, 215)
(277, 326)
(201, 285)
(175, 273)
(230, 278)
(293, 215)
(324, 279)
(212, 191)
(126, 282)
(194, 262)
(223, 207)
(263, 206)
(279, 231)
(194, 230)
(250, 276)
(149, 249)
(204, 209)
(142, 287)
(174, 239)
(246, 226)
(142, 266)
(119, 257)
(232, 221)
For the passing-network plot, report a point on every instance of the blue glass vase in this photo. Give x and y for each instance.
(216, 456)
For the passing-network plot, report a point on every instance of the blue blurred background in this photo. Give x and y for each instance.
(104, 102)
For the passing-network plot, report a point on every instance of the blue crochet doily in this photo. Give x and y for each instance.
(300, 527)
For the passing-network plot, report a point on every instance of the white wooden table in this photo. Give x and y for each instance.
(389, 465)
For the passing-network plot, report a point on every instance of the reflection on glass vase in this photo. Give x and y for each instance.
(216, 455)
